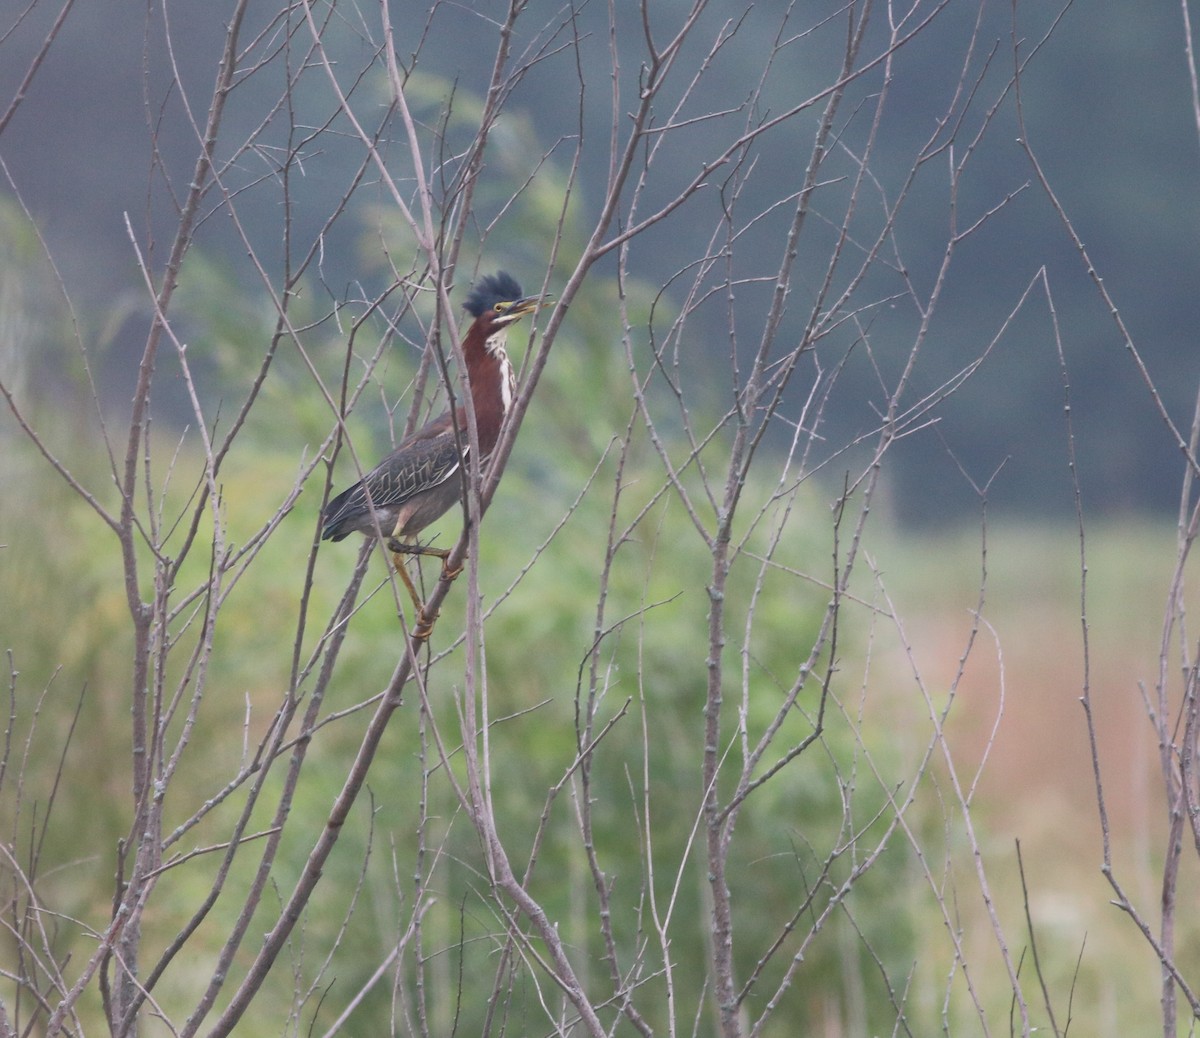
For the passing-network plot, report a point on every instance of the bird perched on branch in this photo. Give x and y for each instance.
(420, 480)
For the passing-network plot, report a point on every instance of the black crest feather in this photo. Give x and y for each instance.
(491, 289)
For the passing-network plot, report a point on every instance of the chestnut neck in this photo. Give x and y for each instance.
(492, 381)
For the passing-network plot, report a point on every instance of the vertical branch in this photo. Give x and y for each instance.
(139, 611)
(123, 936)
(716, 835)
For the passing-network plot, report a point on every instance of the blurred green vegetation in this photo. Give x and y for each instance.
(67, 628)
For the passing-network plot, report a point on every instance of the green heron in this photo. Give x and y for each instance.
(421, 478)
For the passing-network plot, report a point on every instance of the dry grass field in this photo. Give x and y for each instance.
(1017, 710)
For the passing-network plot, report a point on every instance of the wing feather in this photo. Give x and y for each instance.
(420, 464)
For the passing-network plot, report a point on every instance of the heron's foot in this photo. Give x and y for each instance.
(424, 626)
(397, 547)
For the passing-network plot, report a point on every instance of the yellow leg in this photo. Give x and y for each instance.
(424, 627)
